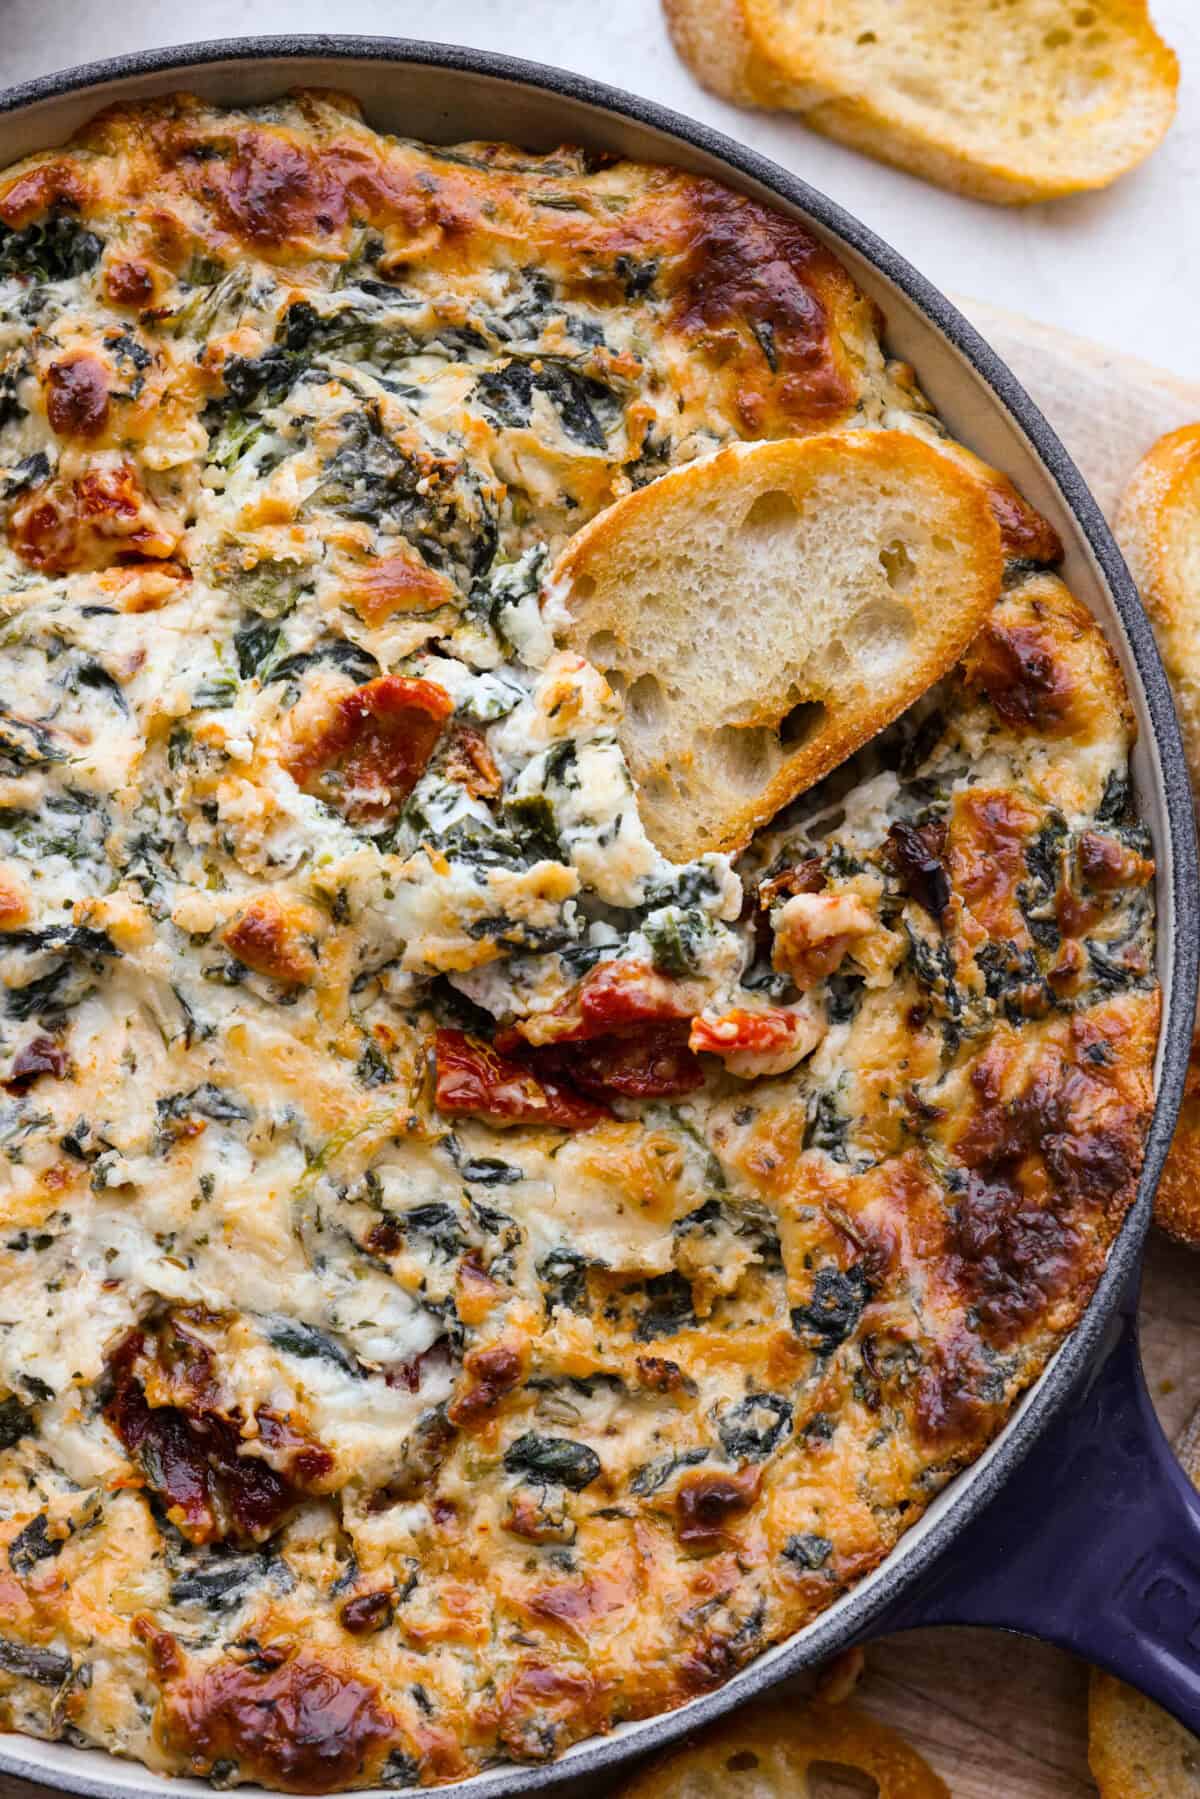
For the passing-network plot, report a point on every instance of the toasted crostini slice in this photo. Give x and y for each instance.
(769, 1751)
(1013, 103)
(768, 609)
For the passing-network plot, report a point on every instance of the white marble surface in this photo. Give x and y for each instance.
(1121, 266)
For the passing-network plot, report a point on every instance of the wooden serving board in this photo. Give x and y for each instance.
(998, 1716)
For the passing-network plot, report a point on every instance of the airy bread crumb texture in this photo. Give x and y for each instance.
(767, 610)
(1006, 100)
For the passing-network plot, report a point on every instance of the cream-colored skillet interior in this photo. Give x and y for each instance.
(364, 1370)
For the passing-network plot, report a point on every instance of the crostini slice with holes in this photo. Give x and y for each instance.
(771, 1751)
(1014, 102)
(768, 609)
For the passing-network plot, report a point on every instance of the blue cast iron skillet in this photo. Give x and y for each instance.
(1077, 1524)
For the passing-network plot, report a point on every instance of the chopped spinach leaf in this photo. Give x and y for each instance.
(563, 1274)
(335, 652)
(652, 1475)
(833, 1312)
(271, 588)
(1013, 979)
(46, 1667)
(582, 403)
(400, 1770)
(26, 473)
(16, 1421)
(55, 248)
(489, 1171)
(90, 673)
(558, 1461)
(373, 1068)
(637, 275)
(1037, 896)
(440, 1223)
(843, 996)
(222, 1581)
(65, 984)
(1118, 967)
(668, 1307)
(1116, 802)
(808, 1552)
(25, 745)
(205, 1101)
(32, 1545)
(676, 938)
(752, 1429)
(255, 644)
(828, 1126)
(530, 819)
(216, 292)
(308, 1344)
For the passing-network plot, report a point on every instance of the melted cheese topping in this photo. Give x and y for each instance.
(464, 1279)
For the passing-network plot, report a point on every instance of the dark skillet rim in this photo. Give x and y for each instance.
(863, 1606)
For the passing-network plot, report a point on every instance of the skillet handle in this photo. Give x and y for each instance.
(1093, 1544)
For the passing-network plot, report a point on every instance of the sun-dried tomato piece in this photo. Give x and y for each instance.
(737, 1031)
(625, 996)
(192, 1463)
(653, 1065)
(367, 1612)
(471, 763)
(474, 1078)
(617, 999)
(191, 1454)
(917, 854)
(40, 1056)
(803, 877)
(307, 1464)
(172, 1457)
(182, 1361)
(489, 1373)
(373, 746)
